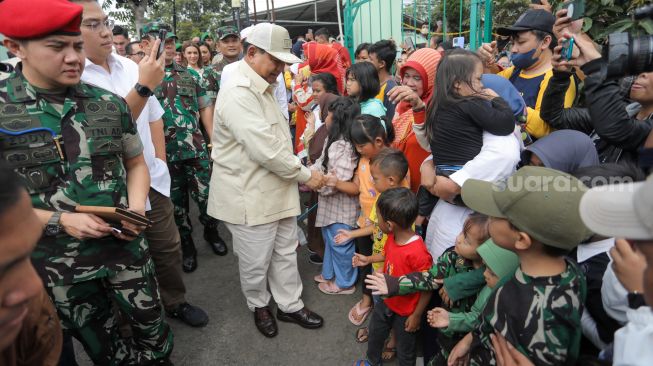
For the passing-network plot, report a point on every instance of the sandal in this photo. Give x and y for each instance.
(362, 335)
(358, 316)
(320, 279)
(330, 288)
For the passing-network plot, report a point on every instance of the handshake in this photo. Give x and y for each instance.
(319, 180)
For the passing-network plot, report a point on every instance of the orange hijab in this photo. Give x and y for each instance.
(322, 58)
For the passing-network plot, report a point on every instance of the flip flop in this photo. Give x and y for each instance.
(356, 312)
(330, 288)
(362, 335)
(319, 279)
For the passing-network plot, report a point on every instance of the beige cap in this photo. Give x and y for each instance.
(275, 40)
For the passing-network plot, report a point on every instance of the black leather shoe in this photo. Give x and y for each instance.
(189, 314)
(189, 263)
(303, 317)
(188, 256)
(212, 237)
(265, 322)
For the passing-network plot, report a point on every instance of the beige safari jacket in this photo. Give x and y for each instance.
(255, 173)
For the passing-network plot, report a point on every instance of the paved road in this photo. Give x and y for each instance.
(231, 338)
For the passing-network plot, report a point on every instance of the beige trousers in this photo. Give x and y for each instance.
(267, 256)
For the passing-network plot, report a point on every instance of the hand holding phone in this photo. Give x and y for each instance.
(575, 9)
(567, 49)
(162, 36)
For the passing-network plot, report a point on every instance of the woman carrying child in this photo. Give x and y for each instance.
(417, 83)
(460, 115)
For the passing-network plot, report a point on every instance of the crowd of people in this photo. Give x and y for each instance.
(494, 204)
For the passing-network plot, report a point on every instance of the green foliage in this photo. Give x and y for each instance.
(193, 17)
(602, 17)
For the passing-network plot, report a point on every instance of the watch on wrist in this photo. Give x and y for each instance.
(143, 90)
(53, 227)
(636, 300)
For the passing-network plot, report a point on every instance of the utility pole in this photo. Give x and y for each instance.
(174, 16)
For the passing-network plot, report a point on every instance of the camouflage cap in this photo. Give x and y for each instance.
(205, 35)
(226, 31)
(154, 28)
(539, 201)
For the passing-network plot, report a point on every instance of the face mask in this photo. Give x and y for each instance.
(524, 60)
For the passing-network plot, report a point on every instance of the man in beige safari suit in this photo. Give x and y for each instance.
(254, 185)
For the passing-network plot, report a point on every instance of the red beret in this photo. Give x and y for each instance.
(28, 19)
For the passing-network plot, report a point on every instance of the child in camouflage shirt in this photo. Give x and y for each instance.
(500, 265)
(535, 214)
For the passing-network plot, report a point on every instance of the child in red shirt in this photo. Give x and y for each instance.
(405, 252)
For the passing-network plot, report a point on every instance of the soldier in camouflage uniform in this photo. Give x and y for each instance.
(230, 49)
(75, 144)
(182, 99)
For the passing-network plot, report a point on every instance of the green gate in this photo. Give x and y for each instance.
(373, 20)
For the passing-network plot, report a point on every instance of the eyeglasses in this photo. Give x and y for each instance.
(141, 54)
(97, 26)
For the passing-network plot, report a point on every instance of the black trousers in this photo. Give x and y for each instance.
(383, 320)
(364, 246)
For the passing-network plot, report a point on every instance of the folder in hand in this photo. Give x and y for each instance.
(115, 215)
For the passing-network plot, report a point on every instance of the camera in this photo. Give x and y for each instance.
(627, 54)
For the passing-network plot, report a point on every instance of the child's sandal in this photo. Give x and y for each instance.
(358, 316)
(362, 335)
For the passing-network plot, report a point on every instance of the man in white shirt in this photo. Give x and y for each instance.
(135, 83)
(254, 185)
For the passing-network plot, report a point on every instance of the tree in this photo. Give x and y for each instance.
(193, 17)
(130, 12)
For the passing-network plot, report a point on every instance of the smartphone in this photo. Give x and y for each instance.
(310, 30)
(162, 36)
(409, 44)
(567, 49)
(458, 42)
(575, 9)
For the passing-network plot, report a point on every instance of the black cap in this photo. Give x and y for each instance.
(535, 19)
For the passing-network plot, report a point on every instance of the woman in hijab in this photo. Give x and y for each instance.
(417, 79)
(319, 59)
(564, 150)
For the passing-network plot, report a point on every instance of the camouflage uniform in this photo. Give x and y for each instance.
(211, 81)
(448, 264)
(540, 316)
(68, 148)
(182, 98)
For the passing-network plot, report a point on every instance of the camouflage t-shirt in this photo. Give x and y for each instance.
(212, 74)
(540, 316)
(68, 148)
(181, 98)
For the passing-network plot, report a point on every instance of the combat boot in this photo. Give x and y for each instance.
(213, 238)
(189, 255)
